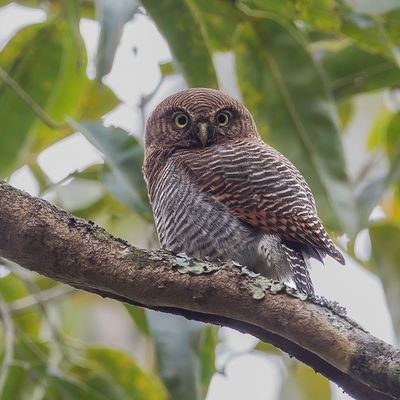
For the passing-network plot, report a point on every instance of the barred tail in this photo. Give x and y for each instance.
(300, 270)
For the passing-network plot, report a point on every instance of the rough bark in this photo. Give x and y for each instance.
(43, 238)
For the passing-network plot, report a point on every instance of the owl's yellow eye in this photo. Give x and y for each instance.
(223, 118)
(181, 120)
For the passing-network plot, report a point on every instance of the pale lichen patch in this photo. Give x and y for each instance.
(260, 285)
(187, 265)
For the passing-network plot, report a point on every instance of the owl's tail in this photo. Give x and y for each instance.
(300, 270)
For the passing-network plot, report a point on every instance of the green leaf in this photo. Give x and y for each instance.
(31, 359)
(351, 71)
(385, 239)
(72, 13)
(97, 380)
(69, 89)
(124, 156)
(345, 110)
(284, 9)
(104, 210)
(207, 344)
(392, 24)
(167, 68)
(96, 100)
(386, 134)
(124, 374)
(302, 383)
(295, 114)
(86, 7)
(12, 288)
(59, 85)
(377, 135)
(319, 14)
(369, 197)
(220, 19)
(138, 314)
(27, 3)
(55, 85)
(187, 39)
(392, 142)
(66, 388)
(32, 351)
(268, 348)
(14, 383)
(370, 33)
(112, 16)
(179, 355)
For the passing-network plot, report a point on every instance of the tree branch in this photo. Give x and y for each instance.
(43, 238)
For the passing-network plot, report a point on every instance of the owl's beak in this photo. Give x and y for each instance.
(202, 133)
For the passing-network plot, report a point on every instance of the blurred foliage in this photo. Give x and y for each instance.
(302, 383)
(300, 67)
(386, 252)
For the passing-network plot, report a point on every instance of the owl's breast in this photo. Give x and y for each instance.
(193, 222)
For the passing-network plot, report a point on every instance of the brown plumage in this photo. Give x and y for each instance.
(218, 191)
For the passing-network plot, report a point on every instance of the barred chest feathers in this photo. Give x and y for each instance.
(190, 221)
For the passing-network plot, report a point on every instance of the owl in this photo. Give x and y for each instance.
(219, 192)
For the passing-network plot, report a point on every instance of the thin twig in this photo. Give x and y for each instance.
(53, 185)
(46, 296)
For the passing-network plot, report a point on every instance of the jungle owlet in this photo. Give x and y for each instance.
(219, 192)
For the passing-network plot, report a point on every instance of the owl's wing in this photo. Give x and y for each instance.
(261, 187)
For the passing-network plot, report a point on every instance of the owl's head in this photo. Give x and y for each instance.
(197, 118)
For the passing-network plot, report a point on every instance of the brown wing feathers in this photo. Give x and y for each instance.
(261, 187)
